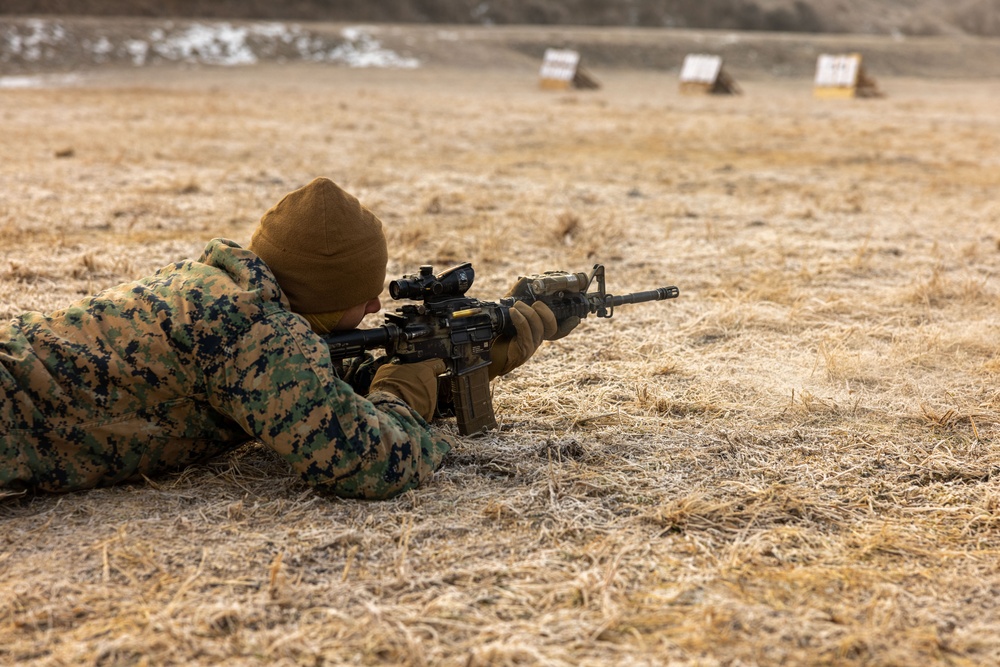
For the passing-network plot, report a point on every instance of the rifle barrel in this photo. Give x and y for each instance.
(658, 294)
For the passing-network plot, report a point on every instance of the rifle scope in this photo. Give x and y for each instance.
(455, 281)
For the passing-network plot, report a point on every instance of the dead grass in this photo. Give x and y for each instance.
(793, 463)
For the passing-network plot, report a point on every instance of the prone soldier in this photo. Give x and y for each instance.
(203, 355)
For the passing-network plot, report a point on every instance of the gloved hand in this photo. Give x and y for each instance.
(416, 384)
(563, 327)
(532, 325)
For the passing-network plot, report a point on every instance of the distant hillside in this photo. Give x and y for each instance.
(903, 17)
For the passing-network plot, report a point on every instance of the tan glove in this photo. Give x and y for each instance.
(532, 325)
(563, 327)
(416, 384)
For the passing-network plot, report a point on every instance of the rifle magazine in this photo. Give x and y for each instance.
(473, 403)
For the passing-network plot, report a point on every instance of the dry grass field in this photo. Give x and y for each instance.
(793, 463)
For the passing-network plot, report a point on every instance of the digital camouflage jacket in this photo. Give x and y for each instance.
(152, 375)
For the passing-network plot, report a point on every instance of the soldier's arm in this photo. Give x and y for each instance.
(280, 386)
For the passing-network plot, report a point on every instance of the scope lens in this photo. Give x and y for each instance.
(401, 289)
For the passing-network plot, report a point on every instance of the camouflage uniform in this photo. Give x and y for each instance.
(152, 375)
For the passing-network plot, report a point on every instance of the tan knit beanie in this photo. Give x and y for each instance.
(327, 251)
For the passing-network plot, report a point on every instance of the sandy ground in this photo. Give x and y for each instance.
(793, 463)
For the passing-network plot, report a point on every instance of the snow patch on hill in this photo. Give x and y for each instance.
(36, 43)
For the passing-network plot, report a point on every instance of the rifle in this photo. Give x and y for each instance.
(461, 330)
